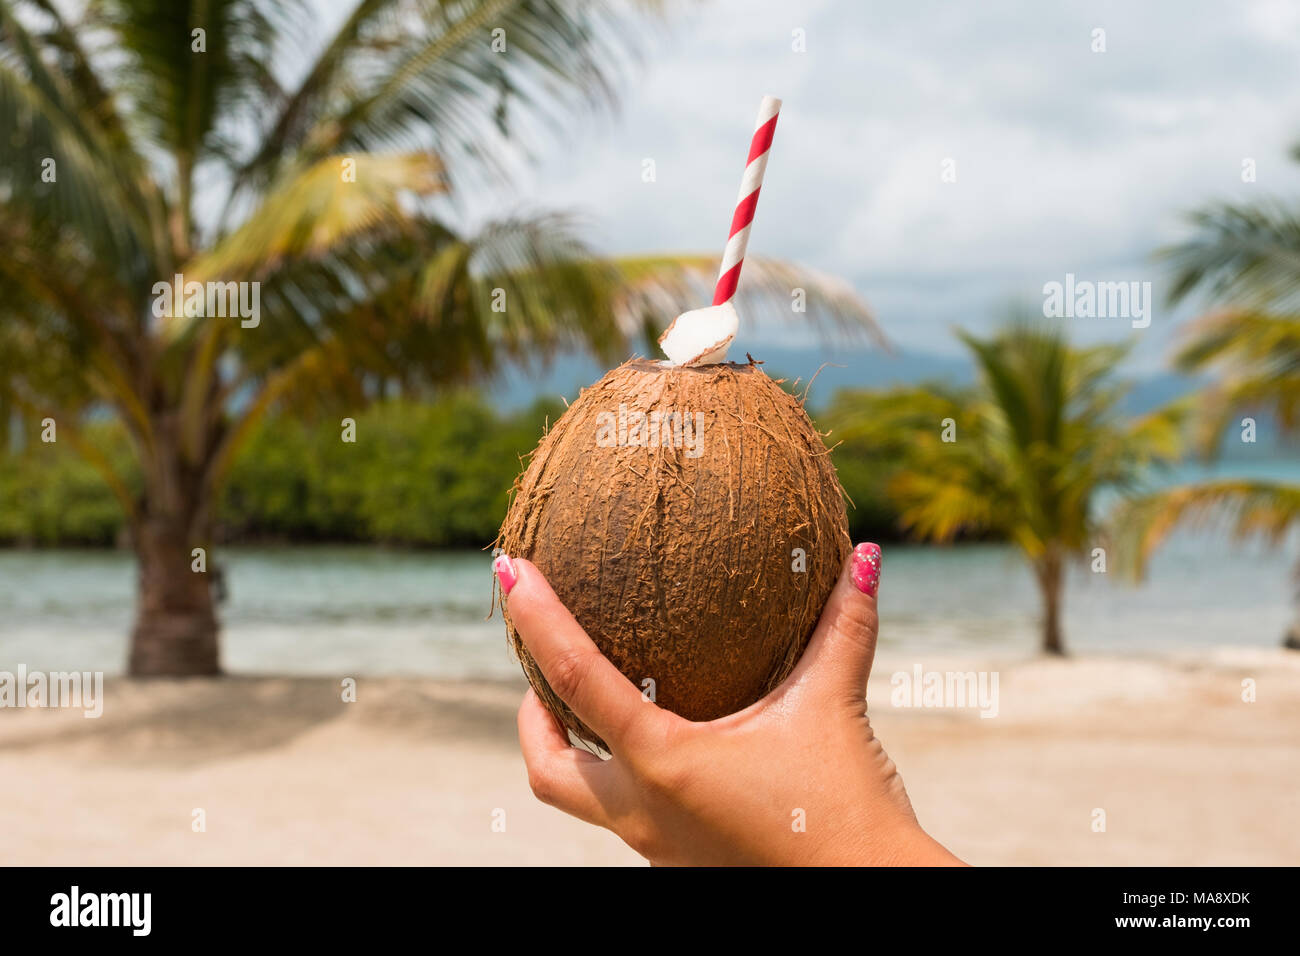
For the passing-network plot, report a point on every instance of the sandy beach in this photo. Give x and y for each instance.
(416, 771)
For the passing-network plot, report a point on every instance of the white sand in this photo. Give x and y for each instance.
(414, 772)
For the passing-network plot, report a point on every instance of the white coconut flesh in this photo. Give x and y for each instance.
(701, 336)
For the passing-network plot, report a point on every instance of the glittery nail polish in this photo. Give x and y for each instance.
(866, 568)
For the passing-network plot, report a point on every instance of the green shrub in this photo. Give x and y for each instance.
(429, 475)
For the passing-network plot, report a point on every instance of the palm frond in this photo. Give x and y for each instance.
(365, 28)
(1024, 453)
(420, 307)
(95, 101)
(1248, 255)
(191, 65)
(1244, 508)
(658, 288)
(318, 207)
(449, 85)
(89, 185)
(1257, 356)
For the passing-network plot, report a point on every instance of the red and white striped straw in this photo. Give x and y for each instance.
(733, 257)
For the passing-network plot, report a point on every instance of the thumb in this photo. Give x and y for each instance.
(839, 654)
(575, 669)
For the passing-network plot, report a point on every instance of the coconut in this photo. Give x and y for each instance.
(690, 519)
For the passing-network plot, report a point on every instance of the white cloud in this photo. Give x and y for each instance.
(1067, 160)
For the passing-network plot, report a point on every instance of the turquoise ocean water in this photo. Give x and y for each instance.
(365, 610)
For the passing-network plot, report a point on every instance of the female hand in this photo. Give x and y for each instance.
(796, 778)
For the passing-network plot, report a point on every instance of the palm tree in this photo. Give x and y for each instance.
(1249, 258)
(1022, 455)
(151, 139)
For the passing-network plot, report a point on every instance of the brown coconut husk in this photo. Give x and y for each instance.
(680, 568)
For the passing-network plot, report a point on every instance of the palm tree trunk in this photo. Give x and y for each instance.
(175, 632)
(1050, 571)
(1292, 639)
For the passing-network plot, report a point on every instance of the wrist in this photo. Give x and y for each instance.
(925, 850)
(900, 842)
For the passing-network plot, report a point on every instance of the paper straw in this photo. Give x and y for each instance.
(733, 257)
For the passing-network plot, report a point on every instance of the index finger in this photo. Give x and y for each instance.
(581, 676)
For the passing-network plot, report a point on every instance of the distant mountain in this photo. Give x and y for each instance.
(861, 368)
(839, 368)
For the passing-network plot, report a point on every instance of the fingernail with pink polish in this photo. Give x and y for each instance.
(866, 568)
(505, 572)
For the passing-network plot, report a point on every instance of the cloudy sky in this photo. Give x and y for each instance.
(1067, 160)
